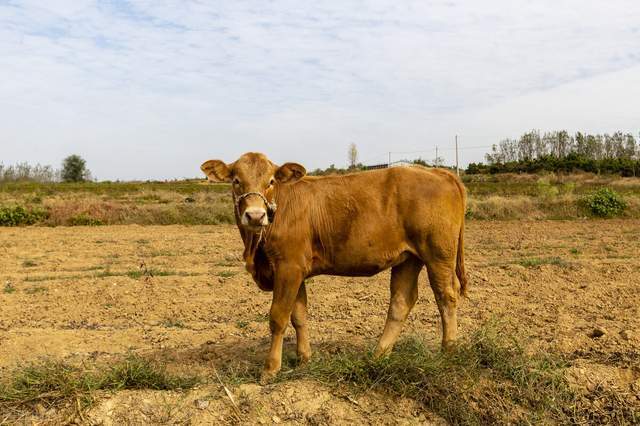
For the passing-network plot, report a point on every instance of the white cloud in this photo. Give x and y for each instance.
(149, 89)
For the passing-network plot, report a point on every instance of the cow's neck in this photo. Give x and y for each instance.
(255, 261)
(251, 242)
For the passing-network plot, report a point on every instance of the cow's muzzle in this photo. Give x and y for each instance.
(255, 217)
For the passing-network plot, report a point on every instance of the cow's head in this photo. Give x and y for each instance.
(253, 180)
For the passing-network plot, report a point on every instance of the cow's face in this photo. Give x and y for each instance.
(253, 180)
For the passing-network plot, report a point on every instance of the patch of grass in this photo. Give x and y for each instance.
(488, 378)
(29, 263)
(94, 268)
(226, 263)
(135, 274)
(57, 384)
(539, 261)
(152, 272)
(242, 324)
(173, 323)
(35, 290)
(166, 253)
(8, 288)
(226, 274)
(575, 251)
(262, 317)
(39, 278)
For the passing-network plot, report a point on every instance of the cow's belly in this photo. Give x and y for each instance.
(360, 264)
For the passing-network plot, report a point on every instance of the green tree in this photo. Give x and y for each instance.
(74, 169)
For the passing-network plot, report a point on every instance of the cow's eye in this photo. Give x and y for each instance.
(272, 181)
(236, 181)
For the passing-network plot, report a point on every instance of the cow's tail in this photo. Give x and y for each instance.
(460, 272)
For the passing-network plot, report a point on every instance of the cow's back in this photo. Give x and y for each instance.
(363, 223)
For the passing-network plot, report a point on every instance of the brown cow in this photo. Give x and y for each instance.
(352, 225)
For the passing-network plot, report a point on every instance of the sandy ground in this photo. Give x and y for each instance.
(77, 294)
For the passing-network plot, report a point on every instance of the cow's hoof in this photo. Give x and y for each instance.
(449, 346)
(303, 358)
(267, 377)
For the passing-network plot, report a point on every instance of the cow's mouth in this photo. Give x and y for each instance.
(254, 228)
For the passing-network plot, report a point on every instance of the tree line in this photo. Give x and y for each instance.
(74, 169)
(557, 151)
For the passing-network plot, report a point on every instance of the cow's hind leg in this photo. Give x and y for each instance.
(404, 293)
(446, 290)
(299, 322)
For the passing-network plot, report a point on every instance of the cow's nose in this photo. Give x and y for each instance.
(255, 216)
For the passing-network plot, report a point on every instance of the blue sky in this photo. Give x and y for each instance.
(151, 89)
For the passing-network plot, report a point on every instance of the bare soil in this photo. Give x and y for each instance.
(180, 294)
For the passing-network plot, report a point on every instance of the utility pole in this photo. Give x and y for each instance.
(457, 169)
(389, 162)
(437, 160)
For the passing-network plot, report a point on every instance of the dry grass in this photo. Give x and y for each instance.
(561, 206)
(504, 197)
(489, 378)
(65, 387)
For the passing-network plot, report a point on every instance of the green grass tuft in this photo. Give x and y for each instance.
(35, 290)
(54, 384)
(173, 323)
(226, 274)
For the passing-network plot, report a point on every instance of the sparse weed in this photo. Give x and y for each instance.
(35, 290)
(173, 323)
(226, 274)
(539, 261)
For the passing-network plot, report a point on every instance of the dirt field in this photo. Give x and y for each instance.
(181, 294)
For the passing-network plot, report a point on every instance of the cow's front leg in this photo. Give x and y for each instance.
(285, 291)
(299, 321)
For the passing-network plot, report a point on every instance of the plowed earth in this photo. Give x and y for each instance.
(180, 294)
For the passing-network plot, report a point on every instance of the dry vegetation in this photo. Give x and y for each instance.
(491, 197)
(543, 196)
(72, 204)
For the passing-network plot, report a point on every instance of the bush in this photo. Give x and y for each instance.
(18, 215)
(605, 202)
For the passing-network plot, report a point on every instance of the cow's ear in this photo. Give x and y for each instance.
(216, 171)
(290, 172)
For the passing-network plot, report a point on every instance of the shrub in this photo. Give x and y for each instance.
(604, 202)
(18, 215)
